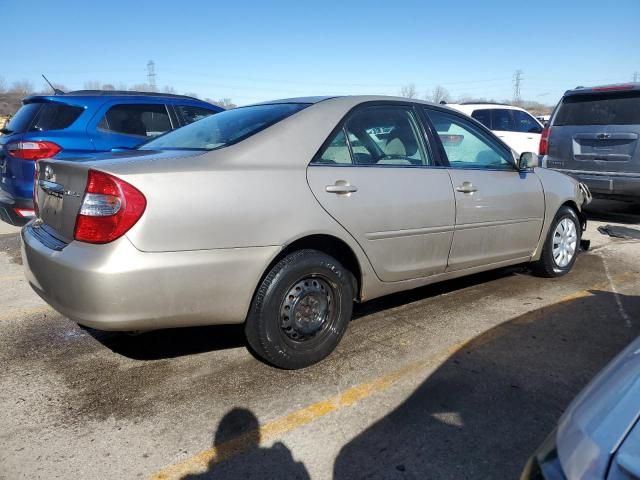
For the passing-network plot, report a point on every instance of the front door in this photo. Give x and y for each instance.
(499, 210)
(376, 178)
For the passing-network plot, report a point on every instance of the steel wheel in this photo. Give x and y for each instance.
(307, 309)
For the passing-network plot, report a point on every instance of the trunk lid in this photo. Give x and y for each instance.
(596, 131)
(59, 189)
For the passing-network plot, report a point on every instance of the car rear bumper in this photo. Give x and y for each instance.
(8, 206)
(608, 184)
(117, 287)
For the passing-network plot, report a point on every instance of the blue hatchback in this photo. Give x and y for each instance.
(81, 124)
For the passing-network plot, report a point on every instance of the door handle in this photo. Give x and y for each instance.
(466, 187)
(341, 187)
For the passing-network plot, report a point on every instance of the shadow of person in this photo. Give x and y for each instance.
(237, 453)
(486, 409)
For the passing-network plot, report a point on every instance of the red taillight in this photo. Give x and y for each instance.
(544, 141)
(33, 150)
(613, 88)
(110, 207)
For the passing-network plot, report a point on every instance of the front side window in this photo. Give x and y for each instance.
(135, 119)
(224, 128)
(192, 114)
(466, 146)
(385, 135)
(525, 123)
(502, 120)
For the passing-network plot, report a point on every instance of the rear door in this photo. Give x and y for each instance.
(499, 210)
(378, 178)
(526, 133)
(128, 124)
(596, 132)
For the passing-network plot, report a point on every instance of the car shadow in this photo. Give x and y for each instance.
(484, 411)
(613, 211)
(177, 342)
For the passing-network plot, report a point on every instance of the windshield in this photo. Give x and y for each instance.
(224, 128)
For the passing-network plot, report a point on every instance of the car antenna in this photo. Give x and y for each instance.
(56, 91)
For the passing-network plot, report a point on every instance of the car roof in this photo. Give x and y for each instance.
(347, 99)
(611, 88)
(102, 95)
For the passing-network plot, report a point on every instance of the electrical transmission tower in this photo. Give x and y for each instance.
(517, 81)
(151, 75)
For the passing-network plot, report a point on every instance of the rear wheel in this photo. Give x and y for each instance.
(301, 310)
(561, 245)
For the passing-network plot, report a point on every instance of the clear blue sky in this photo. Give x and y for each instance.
(252, 51)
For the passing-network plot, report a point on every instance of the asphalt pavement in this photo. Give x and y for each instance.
(458, 380)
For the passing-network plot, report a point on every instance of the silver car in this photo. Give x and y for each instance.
(598, 436)
(280, 215)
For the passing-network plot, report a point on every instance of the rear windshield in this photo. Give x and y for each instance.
(620, 108)
(224, 128)
(39, 117)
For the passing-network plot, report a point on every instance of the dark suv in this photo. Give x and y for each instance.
(593, 135)
(81, 124)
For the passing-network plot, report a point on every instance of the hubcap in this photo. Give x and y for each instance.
(565, 239)
(306, 308)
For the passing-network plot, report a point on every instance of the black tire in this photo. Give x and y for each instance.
(547, 266)
(301, 310)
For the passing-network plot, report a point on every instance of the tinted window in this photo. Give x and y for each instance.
(466, 146)
(225, 128)
(385, 136)
(483, 116)
(502, 120)
(55, 116)
(525, 123)
(41, 116)
(337, 152)
(191, 114)
(139, 120)
(620, 108)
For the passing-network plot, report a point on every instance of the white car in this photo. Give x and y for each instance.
(515, 126)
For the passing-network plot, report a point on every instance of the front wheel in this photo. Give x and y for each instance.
(301, 310)
(561, 245)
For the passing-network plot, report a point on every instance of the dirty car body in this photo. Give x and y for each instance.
(280, 215)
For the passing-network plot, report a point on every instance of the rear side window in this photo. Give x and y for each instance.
(139, 120)
(620, 108)
(224, 128)
(43, 116)
(502, 120)
(192, 114)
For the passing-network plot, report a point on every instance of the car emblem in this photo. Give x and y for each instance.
(48, 174)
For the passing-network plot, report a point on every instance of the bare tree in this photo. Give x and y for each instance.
(169, 89)
(92, 85)
(191, 94)
(22, 87)
(439, 94)
(3, 85)
(108, 86)
(225, 103)
(408, 91)
(140, 87)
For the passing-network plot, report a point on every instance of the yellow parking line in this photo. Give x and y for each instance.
(16, 312)
(200, 461)
(299, 418)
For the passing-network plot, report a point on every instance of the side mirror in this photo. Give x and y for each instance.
(528, 160)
